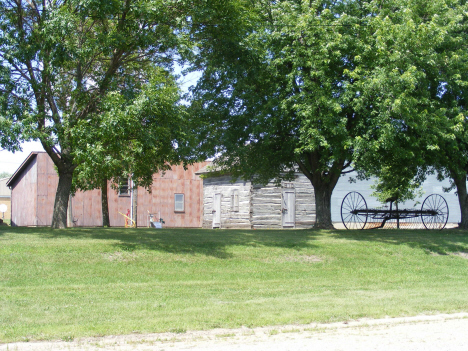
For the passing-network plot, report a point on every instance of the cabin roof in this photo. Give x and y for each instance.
(209, 168)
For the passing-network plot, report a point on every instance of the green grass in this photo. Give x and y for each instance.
(64, 284)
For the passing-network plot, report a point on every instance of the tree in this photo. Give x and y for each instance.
(133, 136)
(450, 154)
(396, 187)
(5, 174)
(418, 94)
(277, 91)
(61, 62)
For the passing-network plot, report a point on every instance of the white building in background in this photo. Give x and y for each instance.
(5, 200)
(430, 186)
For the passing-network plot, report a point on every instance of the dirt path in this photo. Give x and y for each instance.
(428, 333)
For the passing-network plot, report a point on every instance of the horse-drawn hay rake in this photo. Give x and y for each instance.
(433, 214)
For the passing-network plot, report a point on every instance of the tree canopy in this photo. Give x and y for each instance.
(279, 93)
(63, 65)
(417, 90)
(132, 137)
(323, 85)
(5, 174)
(318, 86)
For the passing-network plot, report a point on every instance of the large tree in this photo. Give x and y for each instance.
(132, 137)
(277, 91)
(418, 92)
(60, 62)
(450, 155)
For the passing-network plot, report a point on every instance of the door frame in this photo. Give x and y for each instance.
(216, 210)
(288, 208)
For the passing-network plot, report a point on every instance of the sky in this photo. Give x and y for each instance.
(9, 162)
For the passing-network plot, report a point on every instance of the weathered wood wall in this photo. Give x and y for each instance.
(161, 199)
(267, 204)
(266, 207)
(305, 202)
(231, 215)
(86, 208)
(259, 206)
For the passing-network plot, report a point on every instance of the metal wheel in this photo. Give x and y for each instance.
(436, 212)
(354, 211)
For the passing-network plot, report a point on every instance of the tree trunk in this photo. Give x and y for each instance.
(59, 217)
(104, 204)
(460, 182)
(323, 183)
(323, 206)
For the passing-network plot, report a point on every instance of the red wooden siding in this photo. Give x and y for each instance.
(35, 184)
(24, 197)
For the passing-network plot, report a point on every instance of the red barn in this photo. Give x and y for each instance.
(176, 196)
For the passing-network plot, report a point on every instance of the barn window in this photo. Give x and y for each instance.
(179, 205)
(235, 200)
(124, 187)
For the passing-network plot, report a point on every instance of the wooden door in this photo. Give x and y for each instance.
(289, 208)
(217, 211)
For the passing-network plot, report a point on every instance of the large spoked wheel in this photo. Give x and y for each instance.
(354, 211)
(435, 212)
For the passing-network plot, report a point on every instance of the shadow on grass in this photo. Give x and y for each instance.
(182, 241)
(441, 242)
(215, 243)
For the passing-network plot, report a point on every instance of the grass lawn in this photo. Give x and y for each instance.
(63, 284)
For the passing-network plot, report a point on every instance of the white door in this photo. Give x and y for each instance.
(289, 208)
(217, 211)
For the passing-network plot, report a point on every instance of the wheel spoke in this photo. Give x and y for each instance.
(436, 204)
(353, 202)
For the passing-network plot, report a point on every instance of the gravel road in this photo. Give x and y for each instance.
(428, 333)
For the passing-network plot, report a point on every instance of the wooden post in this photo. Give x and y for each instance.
(398, 215)
(135, 204)
(70, 212)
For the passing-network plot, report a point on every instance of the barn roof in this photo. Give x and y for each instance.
(212, 170)
(23, 166)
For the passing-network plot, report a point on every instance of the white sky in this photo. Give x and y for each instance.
(9, 161)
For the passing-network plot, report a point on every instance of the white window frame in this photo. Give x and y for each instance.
(235, 200)
(123, 186)
(179, 202)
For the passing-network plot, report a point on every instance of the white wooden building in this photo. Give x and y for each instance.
(430, 186)
(241, 204)
(5, 199)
